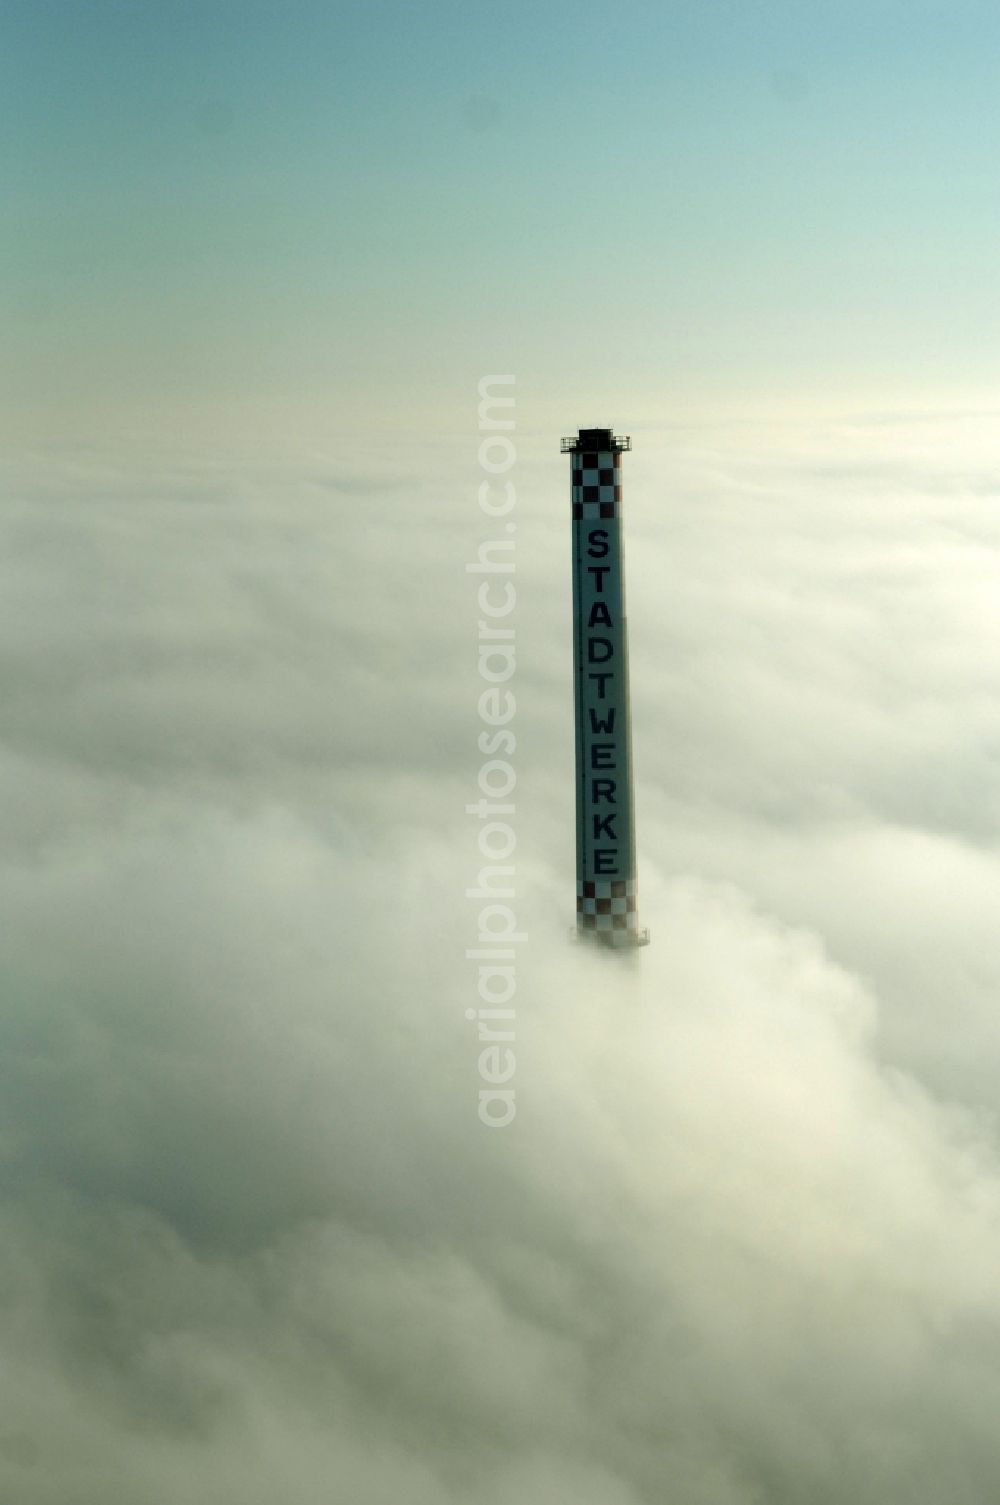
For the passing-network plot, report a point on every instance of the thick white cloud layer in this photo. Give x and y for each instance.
(741, 1244)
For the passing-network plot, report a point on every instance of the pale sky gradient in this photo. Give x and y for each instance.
(250, 212)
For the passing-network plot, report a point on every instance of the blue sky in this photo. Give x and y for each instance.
(362, 207)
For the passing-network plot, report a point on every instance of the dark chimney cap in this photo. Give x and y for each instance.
(590, 440)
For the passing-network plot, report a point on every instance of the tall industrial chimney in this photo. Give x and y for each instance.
(606, 887)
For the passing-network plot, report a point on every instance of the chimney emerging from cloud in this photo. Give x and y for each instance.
(606, 887)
